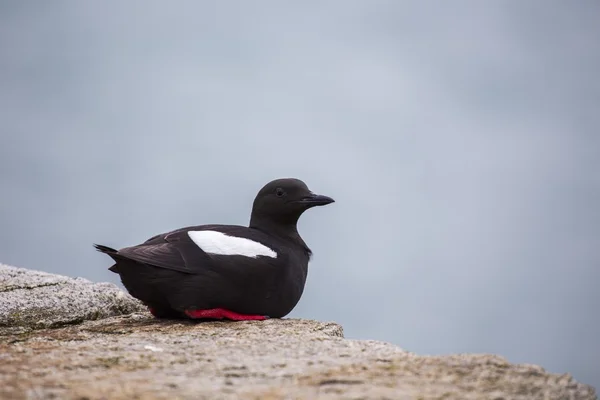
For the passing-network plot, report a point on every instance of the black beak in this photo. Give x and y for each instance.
(316, 200)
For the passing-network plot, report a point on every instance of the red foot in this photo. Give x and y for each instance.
(220, 313)
(152, 311)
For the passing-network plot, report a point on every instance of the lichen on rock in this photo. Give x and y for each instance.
(137, 356)
(33, 299)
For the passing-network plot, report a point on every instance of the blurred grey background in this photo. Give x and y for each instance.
(460, 140)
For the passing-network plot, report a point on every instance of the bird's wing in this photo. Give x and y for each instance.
(177, 251)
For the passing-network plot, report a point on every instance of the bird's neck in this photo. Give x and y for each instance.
(286, 230)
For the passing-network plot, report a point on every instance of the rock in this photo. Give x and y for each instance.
(138, 356)
(32, 299)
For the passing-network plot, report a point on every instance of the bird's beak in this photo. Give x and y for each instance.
(316, 200)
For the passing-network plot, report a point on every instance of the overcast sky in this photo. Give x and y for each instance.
(460, 139)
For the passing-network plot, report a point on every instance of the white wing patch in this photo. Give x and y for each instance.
(214, 242)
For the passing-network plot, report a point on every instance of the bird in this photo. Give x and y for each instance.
(225, 272)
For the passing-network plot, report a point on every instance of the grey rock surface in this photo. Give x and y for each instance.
(136, 356)
(32, 299)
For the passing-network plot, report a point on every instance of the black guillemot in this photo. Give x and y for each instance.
(225, 271)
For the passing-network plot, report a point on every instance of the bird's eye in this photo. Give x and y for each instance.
(279, 192)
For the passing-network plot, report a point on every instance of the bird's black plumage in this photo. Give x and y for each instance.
(172, 274)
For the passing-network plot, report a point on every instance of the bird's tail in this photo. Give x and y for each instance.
(111, 252)
(104, 249)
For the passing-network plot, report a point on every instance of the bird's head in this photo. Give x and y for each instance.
(283, 201)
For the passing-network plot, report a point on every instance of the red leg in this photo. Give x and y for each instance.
(220, 313)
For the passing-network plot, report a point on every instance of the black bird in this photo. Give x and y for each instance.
(226, 271)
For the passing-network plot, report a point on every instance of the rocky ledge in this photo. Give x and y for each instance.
(69, 338)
